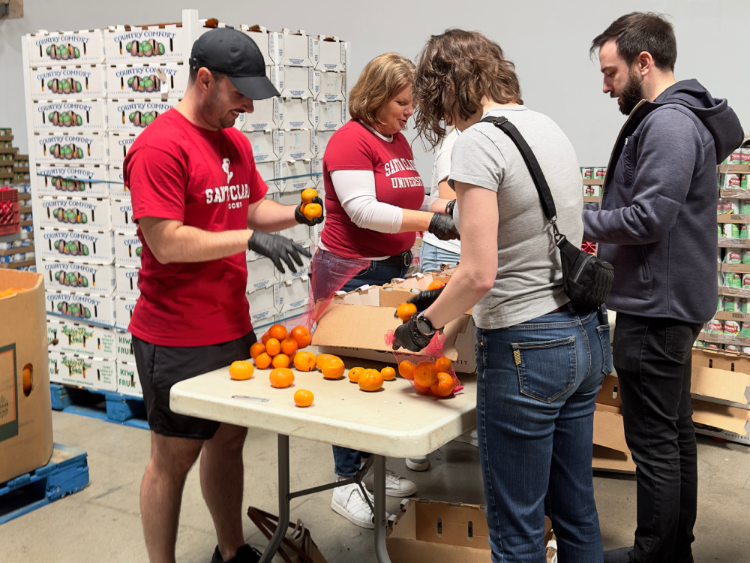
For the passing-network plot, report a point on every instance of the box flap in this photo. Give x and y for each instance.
(608, 429)
(355, 326)
(612, 460)
(720, 416)
(455, 522)
(720, 384)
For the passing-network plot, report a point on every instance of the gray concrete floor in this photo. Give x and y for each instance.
(102, 522)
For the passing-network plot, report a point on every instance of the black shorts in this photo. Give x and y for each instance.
(160, 367)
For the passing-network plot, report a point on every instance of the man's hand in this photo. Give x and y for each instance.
(409, 337)
(443, 227)
(424, 299)
(300, 217)
(278, 249)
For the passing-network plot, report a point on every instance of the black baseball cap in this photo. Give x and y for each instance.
(229, 51)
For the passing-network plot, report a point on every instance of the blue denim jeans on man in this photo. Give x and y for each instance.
(536, 389)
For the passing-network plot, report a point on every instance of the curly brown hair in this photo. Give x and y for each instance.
(455, 71)
(381, 79)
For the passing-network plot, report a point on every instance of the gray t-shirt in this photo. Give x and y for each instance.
(529, 275)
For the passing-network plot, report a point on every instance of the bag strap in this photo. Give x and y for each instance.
(267, 524)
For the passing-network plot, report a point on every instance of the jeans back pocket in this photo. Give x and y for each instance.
(546, 370)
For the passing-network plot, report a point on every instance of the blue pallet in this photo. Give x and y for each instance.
(118, 408)
(66, 473)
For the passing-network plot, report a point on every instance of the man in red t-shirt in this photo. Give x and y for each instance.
(199, 203)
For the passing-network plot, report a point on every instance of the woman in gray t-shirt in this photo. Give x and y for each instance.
(540, 360)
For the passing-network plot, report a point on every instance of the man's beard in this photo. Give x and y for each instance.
(631, 94)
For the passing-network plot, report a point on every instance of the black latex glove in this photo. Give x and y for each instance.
(443, 227)
(424, 299)
(449, 208)
(278, 249)
(409, 337)
(300, 217)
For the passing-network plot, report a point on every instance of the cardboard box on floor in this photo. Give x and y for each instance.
(25, 415)
(441, 532)
(611, 452)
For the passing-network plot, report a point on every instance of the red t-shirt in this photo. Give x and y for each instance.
(205, 179)
(397, 182)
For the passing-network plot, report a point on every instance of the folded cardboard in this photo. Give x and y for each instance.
(299, 82)
(118, 189)
(125, 347)
(147, 80)
(331, 87)
(25, 411)
(127, 249)
(721, 378)
(84, 306)
(122, 215)
(127, 282)
(267, 146)
(261, 274)
(76, 246)
(267, 171)
(321, 140)
(331, 115)
(267, 115)
(299, 114)
(119, 145)
(331, 54)
(81, 338)
(72, 80)
(153, 43)
(292, 294)
(133, 115)
(267, 42)
(128, 382)
(80, 214)
(262, 306)
(295, 176)
(611, 452)
(83, 371)
(81, 180)
(298, 49)
(66, 47)
(86, 147)
(299, 145)
(78, 278)
(82, 115)
(124, 307)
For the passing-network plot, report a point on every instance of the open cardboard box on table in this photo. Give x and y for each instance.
(611, 452)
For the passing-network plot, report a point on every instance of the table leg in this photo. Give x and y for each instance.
(379, 516)
(278, 536)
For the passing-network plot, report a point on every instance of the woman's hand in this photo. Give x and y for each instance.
(443, 227)
(408, 336)
(423, 299)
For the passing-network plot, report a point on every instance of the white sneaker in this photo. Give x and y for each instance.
(348, 502)
(419, 463)
(395, 486)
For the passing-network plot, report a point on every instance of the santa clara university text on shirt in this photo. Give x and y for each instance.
(399, 165)
(221, 194)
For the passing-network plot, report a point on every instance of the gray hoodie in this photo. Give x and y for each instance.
(657, 223)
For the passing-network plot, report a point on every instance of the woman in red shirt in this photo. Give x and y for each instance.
(375, 203)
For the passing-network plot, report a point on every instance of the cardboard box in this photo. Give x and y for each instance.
(267, 146)
(331, 115)
(75, 213)
(298, 233)
(133, 115)
(127, 282)
(267, 171)
(76, 246)
(267, 116)
(294, 176)
(292, 294)
(66, 47)
(331, 87)
(80, 338)
(86, 147)
(262, 307)
(125, 347)
(83, 180)
(300, 82)
(268, 42)
(119, 145)
(78, 278)
(81, 115)
(124, 308)
(299, 114)
(321, 140)
(83, 371)
(261, 274)
(275, 74)
(128, 249)
(118, 189)
(149, 80)
(153, 43)
(317, 167)
(84, 306)
(611, 452)
(69, 81)
(721, 378)
(299, 145)
(122, 215)
(25, 411)
(128, 381)
(331, 54)
(298, 49)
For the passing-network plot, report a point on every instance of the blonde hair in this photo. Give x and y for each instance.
(380, 80)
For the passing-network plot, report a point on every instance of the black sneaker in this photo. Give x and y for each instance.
(245, 554)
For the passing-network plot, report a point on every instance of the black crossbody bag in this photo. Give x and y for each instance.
(586, 279)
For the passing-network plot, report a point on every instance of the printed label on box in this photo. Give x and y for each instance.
(124, 308)
(79, 338)
(88, 307)
(84, 371)
(119, 145)
(86, 147)
(135, 115)
(128, 382)
(331, 87)
(267, 146)
(76, 246)
(300, 82)
(85, 81)
(261, 274)
(146, 80)
(55, 371)
(78, 278)
(292, 294)
(127, 282)
(72, 179)
(76, 213)
(331, 54)
(330, 116)
(66, 47)
(80, 115)
(128, 44)
(125, 351)
(299, 49)
(299, 145)
(300, 114)
(262, 308)
(128, 249)
(122, 215)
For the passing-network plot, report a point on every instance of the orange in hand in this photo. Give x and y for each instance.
(241, 370)
(302, 336)
(425, 374)
(281, 377)
(443, 364)
(304, 361)
(333, 368)
(303, 398)
(406, 369)
(308, 195)
(405, 311)
(435, 285)
(257, 349)
(262, 361)
(354, 374)
(289, 346)
(281, 361)
(388, 373)
(370, 380)
(278, 332)
(313, 211)
(443, 387)
(273, 347)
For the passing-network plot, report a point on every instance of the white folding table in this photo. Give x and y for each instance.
(395, 422)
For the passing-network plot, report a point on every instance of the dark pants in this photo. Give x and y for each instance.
(652, 358)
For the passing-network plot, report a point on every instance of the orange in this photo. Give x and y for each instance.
(405, 311)
(443, 387)
(280, 361)
(308, 195)
(322, 358)
(241, 370)
(262, 361)
(265, 337)
(406, 369)
(257, 349)
(388, 373)
(304, 361)
(333, 368)
(281, 377)
(425, 374)
(443, 364)
(273, 347)
(313, 210)
(278, 332)
(370, 380)
(354, 374)
(302, 336)
(421, 390)
(303, 398)
(435, 285)
(289, 346)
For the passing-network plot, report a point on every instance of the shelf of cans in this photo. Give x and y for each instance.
(89, 95)
(593, 180)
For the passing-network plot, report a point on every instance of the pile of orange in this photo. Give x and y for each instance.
(10, 291)
(428, 377)
(278, 348)
(309, 209)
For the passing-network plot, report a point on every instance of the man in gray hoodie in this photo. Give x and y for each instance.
(657, 227)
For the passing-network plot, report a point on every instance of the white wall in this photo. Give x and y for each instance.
(548, 40)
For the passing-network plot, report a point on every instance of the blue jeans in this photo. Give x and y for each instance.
(430, 258)
(347, 461)
(536, 388)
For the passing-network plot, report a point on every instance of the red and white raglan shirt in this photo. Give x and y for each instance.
(204, 179)
(357, 147)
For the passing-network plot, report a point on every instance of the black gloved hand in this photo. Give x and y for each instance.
(278, 249)
(449, 208)
(424, 299)
(443, 227)
(409, 337)
(300, 217)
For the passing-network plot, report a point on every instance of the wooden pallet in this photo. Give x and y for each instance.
(104, 405)
(66, 473)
